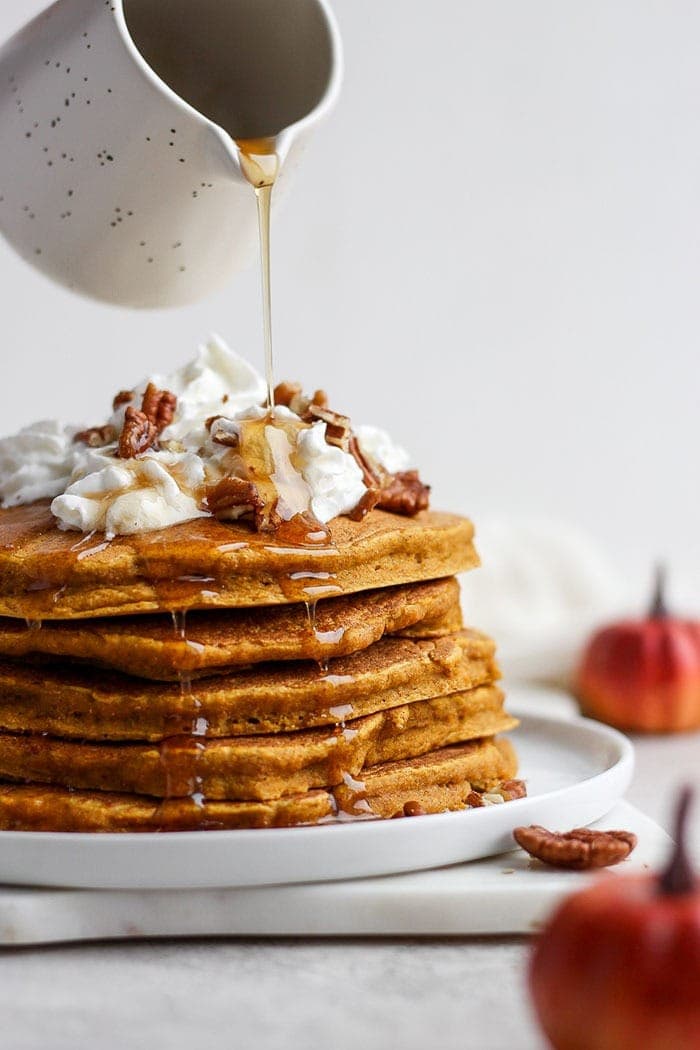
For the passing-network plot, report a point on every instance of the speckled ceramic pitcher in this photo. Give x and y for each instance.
(119, 174)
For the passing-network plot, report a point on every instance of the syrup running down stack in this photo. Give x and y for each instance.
(217, 615)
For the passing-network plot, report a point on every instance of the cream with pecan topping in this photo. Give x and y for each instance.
(199, 442)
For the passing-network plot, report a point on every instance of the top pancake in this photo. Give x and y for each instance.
(49, 574)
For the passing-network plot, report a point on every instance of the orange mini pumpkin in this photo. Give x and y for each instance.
(618, 965)
(644, 675)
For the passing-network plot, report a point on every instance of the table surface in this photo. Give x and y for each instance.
(312, 994)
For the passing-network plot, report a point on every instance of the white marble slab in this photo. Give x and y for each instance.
(504, 894)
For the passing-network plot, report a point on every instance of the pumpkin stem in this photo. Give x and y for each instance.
(658, 610)
(679, 877)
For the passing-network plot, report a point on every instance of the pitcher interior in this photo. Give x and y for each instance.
(254, 67)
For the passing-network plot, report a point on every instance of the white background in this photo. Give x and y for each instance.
(492, 249)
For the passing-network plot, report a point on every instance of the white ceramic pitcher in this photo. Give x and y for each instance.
(119, 174)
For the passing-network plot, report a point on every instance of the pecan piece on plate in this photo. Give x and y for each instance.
(580, 849)
(404, 493)
(97, 437)
(138, 434)
(512, 789)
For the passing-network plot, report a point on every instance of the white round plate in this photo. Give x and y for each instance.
(575, 770)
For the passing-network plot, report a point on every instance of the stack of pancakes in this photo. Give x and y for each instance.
(206, 676)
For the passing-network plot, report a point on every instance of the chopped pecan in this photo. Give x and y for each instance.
(124, 397)
(404, 493)
(97, 437)
(580, 849)
(292, 396)
(223, 431)
(372, 476)
(410, 809)
(512, 789)
(474, 800)
(230, 493)
(138, 434)
(159, 406)
(367, 503)
(338, 430)
(320, 399)
(413, 809)
(285, 393)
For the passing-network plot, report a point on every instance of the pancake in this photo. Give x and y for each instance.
(257, 767)
(149, 647)
(85, 703)
(49, 574)
(441, 780)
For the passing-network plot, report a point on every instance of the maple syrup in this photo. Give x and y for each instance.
(183, 745)
(260, 164)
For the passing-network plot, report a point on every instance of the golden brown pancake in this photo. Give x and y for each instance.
(152, 646)
(49, 574)
(257, 767)
(86, 703)
(438, 781)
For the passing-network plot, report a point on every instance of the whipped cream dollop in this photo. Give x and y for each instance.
(93, 490)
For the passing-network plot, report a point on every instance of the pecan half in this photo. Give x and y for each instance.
(138, 434)
(159, 406)
(97, 437)
(143, 427)
(404, 493)
(580, 849)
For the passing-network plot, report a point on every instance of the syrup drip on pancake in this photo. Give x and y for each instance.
(350, 797)
(184, 745)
